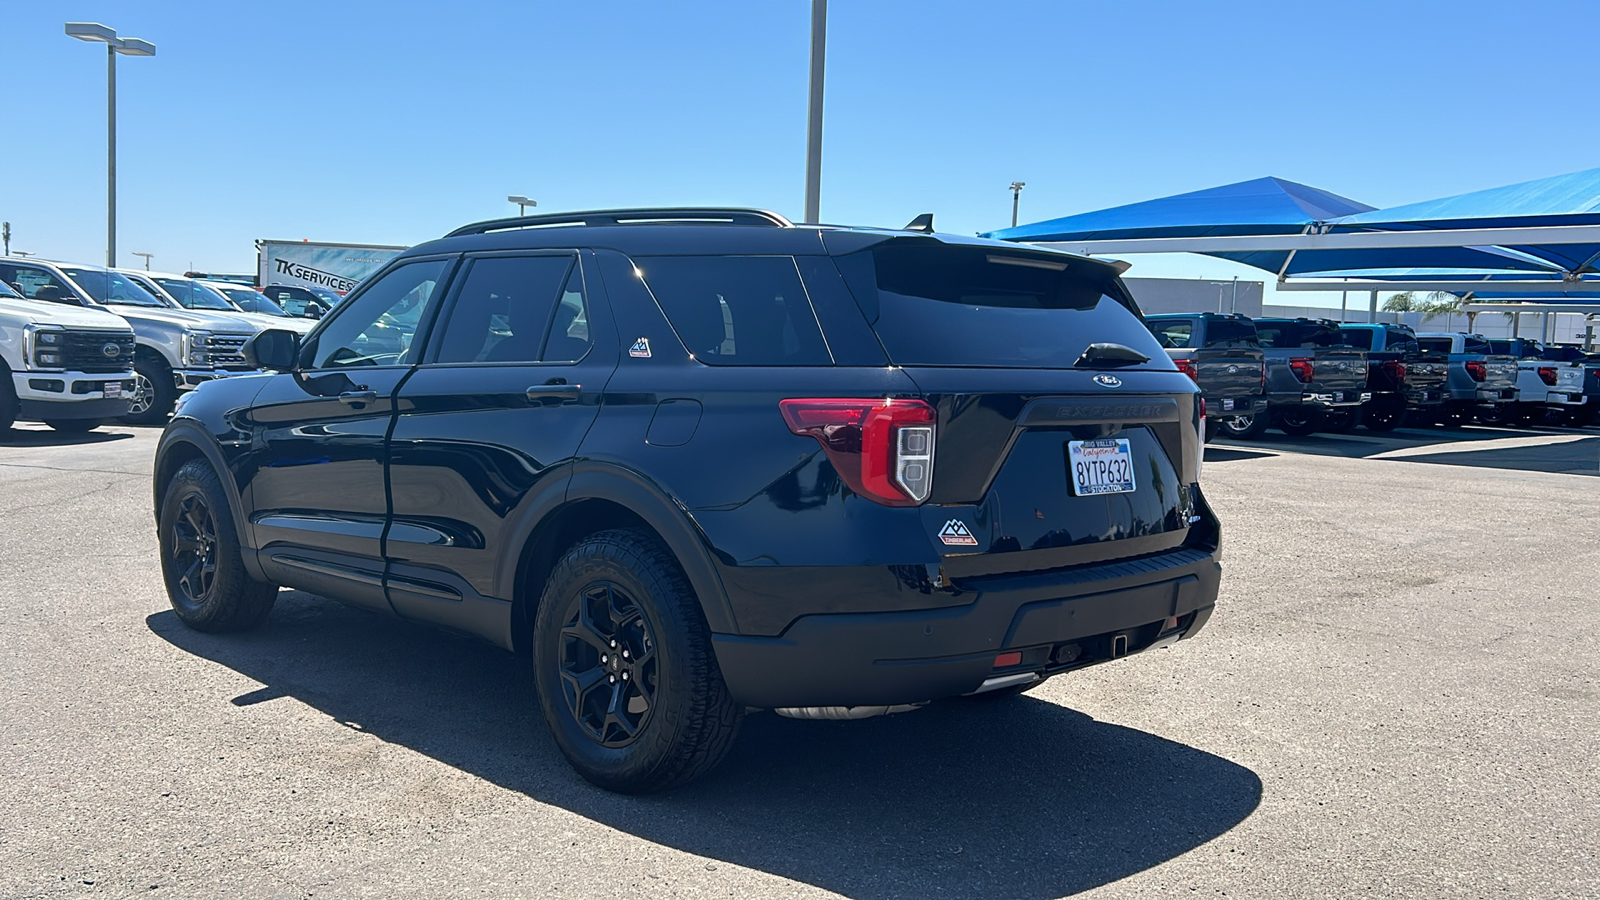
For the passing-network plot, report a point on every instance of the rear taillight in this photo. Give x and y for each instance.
(1303, 369)
(883, 449)
(1395, 369)
(1478, 369)
(1547, 374)
(1263, 376)
(1187, 367)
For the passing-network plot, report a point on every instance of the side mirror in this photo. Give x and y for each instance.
(274, 348)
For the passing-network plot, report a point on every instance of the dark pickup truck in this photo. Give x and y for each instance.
(1481, 385)
(1223, 356)
(1405, 381)
(1309, 373)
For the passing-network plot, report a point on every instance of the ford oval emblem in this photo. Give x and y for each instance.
(1233, 370)
(1110, 381)
(111, 351)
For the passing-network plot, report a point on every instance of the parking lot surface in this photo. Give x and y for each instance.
(1399, 696)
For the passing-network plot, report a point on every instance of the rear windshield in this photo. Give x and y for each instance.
(1359, 338)
(1477, 345)
(1302, 334)
(1434, 345)
(934, 304)
(1174, 334)
(737, 310)
(1231, 333)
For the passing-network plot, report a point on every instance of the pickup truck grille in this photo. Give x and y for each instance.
(227, 351)
(90, 351)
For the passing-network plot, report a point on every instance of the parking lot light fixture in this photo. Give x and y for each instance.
(147, 257)
(522, 203)
(94, 32)
(1016, 199)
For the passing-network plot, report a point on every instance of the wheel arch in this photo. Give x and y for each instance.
(599, 497)
(183, 443)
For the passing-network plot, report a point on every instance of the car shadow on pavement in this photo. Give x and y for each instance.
(49, 437)
(1568, 450)
(1012, 797)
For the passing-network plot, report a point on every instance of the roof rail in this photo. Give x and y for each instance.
(648, 216)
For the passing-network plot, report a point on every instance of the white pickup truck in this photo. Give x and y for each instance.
(65, 366)
(1548, 392)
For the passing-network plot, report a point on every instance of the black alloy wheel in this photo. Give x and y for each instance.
(608, 665)
(193, 550)
(202, 562)
(1341, 420)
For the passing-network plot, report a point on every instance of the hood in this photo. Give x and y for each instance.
(42, 312)
(263, 322)
(184, 318)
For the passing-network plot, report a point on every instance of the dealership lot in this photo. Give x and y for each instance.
(1398, 696)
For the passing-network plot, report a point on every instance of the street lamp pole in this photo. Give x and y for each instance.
(522, 203)
(1016, 199)
(146, 259)
(97, 33)
(819, 53)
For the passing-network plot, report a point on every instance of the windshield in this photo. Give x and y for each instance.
(251, 300)
(327, 296)
(194, 295)
(6, 291)
(112, 288)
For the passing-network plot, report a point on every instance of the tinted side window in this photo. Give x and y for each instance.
(379, 327)
(503, 309)
(738, 310)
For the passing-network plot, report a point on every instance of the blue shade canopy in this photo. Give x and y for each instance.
(1263, 206)
(1572, 199)
(1260, 206)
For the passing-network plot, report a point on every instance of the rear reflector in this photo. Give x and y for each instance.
(1013, 658)
(882, 449)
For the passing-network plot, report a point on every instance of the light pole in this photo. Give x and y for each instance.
(819, 42)
(522, 203)
(97, 33)
(1016, 199)
(146, 259)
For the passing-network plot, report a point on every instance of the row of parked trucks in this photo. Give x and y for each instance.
(83, 344)
(1306, 375)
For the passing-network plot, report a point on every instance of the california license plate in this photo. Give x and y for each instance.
(113, 390)
(1100, 467)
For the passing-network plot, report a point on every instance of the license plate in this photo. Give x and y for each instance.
(1338, 396)
(1227, 405)
(1100, 467)
(113, 390)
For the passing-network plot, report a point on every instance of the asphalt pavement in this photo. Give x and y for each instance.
(1399, 696)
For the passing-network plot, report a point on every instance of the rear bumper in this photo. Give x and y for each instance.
(1058, 620)
(1425, 397)
(1563, 398)
(1223, 407)
(1321, 399)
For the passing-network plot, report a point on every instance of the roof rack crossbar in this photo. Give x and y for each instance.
(648, 216)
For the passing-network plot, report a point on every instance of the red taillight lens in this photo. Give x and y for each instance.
(1187, 367)
(883, 449)
(1303, 369)
(1478, 369)
(1395, 369)
(1548, 374)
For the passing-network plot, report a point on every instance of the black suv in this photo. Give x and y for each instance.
(697, 462)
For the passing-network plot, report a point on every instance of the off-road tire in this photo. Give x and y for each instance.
(1299, 423)
(163, 391)
(230, 600)
(1253, 427)
(692, 721)
(73, 426)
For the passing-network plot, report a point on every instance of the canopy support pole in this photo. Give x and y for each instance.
(1372, 309)
(1344, 304)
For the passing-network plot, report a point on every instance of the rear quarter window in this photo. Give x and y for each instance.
(737, 310)
(1231, 333)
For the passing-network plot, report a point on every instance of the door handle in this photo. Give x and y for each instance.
(555, 392)
(357, 398)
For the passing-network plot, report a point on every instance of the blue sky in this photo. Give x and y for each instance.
(395, 122)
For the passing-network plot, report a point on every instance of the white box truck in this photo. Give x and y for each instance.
(337, 267)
